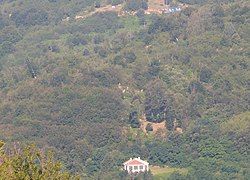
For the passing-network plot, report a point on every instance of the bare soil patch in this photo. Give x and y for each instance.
(157, 127)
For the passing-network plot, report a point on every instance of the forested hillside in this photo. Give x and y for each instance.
(84, 87)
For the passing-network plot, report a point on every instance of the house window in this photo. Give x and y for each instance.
(141, 167)
(135, 167)
(130, 168)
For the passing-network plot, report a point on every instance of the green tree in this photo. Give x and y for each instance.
(134, 119)
(205, 75)
(158, 103)
(30, 163)
(149, 127)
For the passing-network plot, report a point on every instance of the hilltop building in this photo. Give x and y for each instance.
(136, 165)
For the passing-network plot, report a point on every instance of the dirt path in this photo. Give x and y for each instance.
(107, 8)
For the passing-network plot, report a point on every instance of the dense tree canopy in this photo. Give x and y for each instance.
(87, 87)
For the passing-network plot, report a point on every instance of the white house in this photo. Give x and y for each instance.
(136, 165)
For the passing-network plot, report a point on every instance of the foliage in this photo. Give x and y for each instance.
(134, 119)
(149, 127)
(238, 124)
(158, 104)
(78, 85)
(30, 163)
(136, 5)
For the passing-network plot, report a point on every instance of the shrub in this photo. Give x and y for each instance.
(149, 127)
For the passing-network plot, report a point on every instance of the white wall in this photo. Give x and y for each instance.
(127, 168)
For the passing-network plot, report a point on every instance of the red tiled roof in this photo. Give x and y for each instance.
(134, 162)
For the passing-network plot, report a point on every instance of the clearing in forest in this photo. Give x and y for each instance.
(161, 173)
(156, 6)
(157, 127)
(107, 8)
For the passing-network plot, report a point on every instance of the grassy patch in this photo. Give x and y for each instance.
(131, 23)
(162, 173)
(239, 124)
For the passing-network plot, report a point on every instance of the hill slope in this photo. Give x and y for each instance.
(78, 86)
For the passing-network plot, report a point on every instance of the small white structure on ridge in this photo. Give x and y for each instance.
(136, 165)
